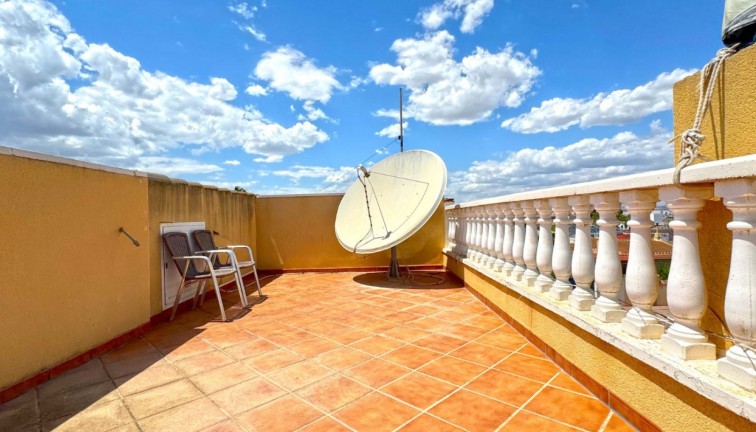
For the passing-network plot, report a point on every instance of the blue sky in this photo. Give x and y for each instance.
(288, 96)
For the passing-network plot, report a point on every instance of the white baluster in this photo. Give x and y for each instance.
(465, 249)
(686, 289)
(530, 248)
(518, 245)
(480, 236)
(458, 232)
(581, 297)
(473, 246)
(740, 298)
(508, 242)
(561, 260)
(608, 272)
(448, 216)
(641, 281)
(499, 237)
(545, 246)
(491, 238)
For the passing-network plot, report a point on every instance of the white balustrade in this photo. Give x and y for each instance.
(499, 237)
(739, 364)
(686, 290)
(608, 269)
(491, 238)
(518, 244)
(561, 259)
(582, 297)
(530, 247)
(480, 247)
(641, 280)
(474, 236)
(508, 242)
(545, 246)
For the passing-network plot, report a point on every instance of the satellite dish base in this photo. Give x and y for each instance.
(393, 270)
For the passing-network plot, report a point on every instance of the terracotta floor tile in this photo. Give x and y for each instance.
(333, 393)
(230, 338)
(376, 325)
(526, 421)
(161, 398)
(429, 324)
(376, 345)
(250, 349)
(289, 337)
(223, 377)
(618, 424)
(288, 413)
(273, 360)
(299, 375)
(137, 347)
(375, 373)
(402, 316)
(189, 349)
(473, 412)
(203, 362)
(348, 336)
(134, 364)
(90, 373)
(406, 333)
(95, 418)
(411, 356)
(314, 346)
(342, 358)
(567, 382)
(439, 342)
(503, 340)
(474, 308)
(581, 411)
(247, 395)
(70, 402)
(190, 417)
(451, 316)
(529, 367)
(375, 412)
(481, 354)
(484, 322)
(531, 350)
(21, 413)
(325, 424)
(463, 331)
(505, 387)
(418, 390)
(147, 379)
(453, 370)
(427, 423)
(224, 426)
(424, 310)
(266, 329)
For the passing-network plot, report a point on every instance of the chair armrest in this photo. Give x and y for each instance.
(249, 250)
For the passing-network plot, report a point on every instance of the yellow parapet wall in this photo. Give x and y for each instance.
(70, 281)
(297, 232)
(729, 123)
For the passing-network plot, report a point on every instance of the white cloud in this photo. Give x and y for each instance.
(172, 166)
(257, 34)
(118, 112)
(290, 71)
(392, 131)
(446, 92)
(615, 108)
(331, 179)
(247, 13)
(269, 159)
(232, 162)
(243, 9)
(256, 90)
(471, 11)
(586, 160)
(312, 113)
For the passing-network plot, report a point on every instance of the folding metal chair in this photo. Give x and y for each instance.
(177, 244)
(205, 240)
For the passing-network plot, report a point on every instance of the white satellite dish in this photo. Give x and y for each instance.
(391, 201)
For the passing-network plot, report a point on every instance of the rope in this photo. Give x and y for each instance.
(692, 139)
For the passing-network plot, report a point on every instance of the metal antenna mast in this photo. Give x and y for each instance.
(393, 271)
(401, 123)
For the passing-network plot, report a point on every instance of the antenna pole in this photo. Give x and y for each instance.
(401, 123)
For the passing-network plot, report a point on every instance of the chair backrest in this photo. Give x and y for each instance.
(177, 244)
(204, 239)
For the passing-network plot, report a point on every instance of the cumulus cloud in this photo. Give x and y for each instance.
(247, 13)
(392, 131)
(171, 166)
(328, 179)
(614, 108)
(256, 90)
(471, 11)
(586, 160)
(290, 71)
(232, 162)
(312, 113)
(117, 113)
(444, 91)
(269, 159)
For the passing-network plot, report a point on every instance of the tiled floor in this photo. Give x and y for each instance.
(323, 352)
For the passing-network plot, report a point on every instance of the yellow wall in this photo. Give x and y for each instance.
(664, 401)
(70, 281)
(231, 214)
(297, 232)
(729, 123)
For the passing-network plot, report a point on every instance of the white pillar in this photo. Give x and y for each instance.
(508, 242)
(561, 260)
(474, 235)
(499, 237)
(545, 246)
(740, 297)
(641, 281)
(449, 230)
(480, 247)
(456, 229)
(608, 272)
(686, 289)
(530, 248)
(581, 297)
(518, 244)
(465, 249)
(491, 238)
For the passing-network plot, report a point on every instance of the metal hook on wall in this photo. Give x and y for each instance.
(133, 240)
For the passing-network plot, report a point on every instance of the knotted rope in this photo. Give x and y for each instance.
(692, 139)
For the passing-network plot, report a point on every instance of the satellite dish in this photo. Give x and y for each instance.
(391, 201)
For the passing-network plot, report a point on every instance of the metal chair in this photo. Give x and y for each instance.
(205, 240)
(177, 244)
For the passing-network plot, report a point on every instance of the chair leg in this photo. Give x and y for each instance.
(218, 293)
(257, 280)
(239, 281)
(178, 297)
(200, 290)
